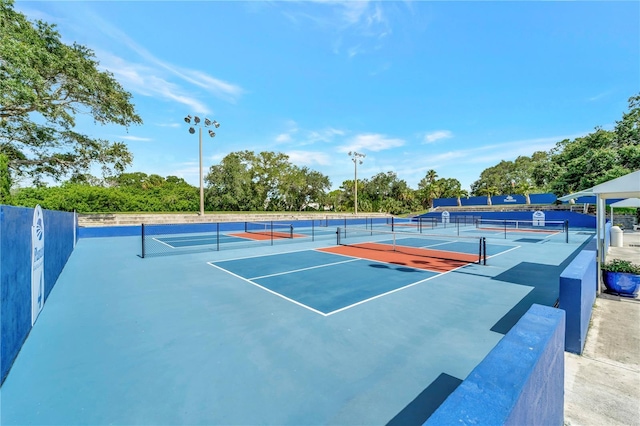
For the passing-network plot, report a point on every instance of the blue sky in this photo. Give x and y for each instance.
(451, 86)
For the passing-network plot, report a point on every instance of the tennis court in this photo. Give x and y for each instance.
(295, 333)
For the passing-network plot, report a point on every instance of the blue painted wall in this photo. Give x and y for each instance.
(496, 200)
(576, 220)
(520, 382)
(473, 201)
(578, 283)
(447, 202)
(504, 200)
(15, 271)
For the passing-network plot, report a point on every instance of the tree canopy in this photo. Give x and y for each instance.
(265, 181)
(572, 165)
(44, 85)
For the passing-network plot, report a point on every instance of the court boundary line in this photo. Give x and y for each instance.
(265, 255)
(268, 290)
(503, 252)
(303, 269)
(351, 259)
(166, 244)
(437, 274)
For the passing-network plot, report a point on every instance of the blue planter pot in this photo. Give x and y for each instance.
(622, 283)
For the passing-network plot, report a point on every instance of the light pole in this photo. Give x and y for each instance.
(356, 157)
(192, 130)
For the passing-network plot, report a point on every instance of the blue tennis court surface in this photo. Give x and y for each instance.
(196, 240)
(268, 334)
(324, 283)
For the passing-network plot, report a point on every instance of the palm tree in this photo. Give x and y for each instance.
(525, 189)
(488, 191)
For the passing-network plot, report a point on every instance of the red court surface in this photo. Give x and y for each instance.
(420, 258)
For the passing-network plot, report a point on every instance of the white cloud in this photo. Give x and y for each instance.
(135, 138)
(371, 142)
(437, 135)
(325, 135)
(156, 72)
(352, 23)
(307, 137)
(599, 96)
(283, 138)
(308, 158)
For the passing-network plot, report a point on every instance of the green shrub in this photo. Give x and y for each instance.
(619, 265)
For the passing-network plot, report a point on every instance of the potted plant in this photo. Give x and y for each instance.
(621, 277)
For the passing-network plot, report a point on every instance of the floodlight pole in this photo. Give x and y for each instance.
(201, 180)
(356, 157)
(207, 123)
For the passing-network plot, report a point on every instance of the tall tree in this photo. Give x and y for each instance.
(44, 84)
(428, 188)
(231, 184)
(5, 180)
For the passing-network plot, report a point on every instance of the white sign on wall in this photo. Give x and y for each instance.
(538, 218)
(37, 264)
(445, 217)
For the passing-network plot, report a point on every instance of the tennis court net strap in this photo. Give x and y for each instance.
(464, 249)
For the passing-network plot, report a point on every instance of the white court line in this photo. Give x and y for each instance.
(351, 259)
(303, 269)
(503, 252)
(269, 290)
(437, 274)
(162, 242)
(261, 255)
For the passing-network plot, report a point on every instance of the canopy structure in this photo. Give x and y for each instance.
(627, 186)
(629, 202)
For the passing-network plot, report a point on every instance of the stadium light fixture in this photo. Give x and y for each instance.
(356, 157)
(192, 130)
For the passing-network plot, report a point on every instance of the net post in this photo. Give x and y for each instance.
(142, 256)
(484, 250)
(566, 231)
(271, 232)
(291, 230)
(313, 230)
(393, 222)
(218, 235)
(505, 229)
(246, 228)
(338, 236)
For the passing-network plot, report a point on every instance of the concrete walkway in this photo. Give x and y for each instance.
(602, 386)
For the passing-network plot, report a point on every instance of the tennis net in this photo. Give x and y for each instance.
(523, 225)
(271, 229)
(464, 249)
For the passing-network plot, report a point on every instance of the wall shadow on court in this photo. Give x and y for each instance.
(425, 404)
(545, 280)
